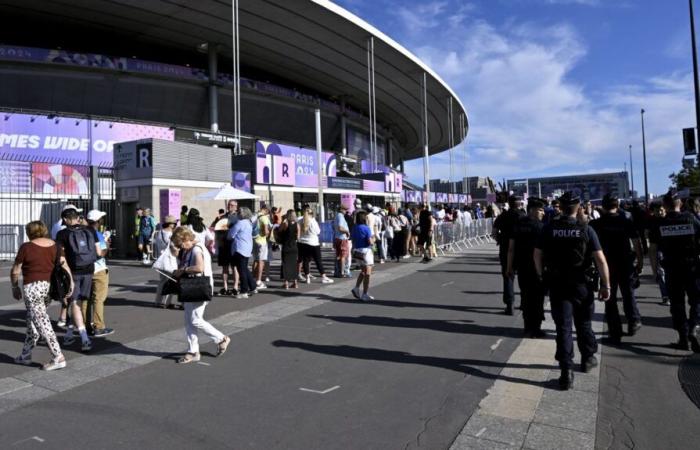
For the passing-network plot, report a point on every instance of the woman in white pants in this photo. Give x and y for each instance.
(195, 259)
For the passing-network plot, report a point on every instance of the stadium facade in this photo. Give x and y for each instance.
(180, 81)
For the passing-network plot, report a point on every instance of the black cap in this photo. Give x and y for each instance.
(514, 198)
(535, 203)
(670, 197)
(569, 199)
(610, 201)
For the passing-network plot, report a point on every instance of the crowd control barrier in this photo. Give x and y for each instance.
(458, 236)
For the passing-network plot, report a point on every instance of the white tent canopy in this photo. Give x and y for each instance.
(226, 192)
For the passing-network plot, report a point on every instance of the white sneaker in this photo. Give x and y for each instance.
(54, 365)
(302, 277)
(260, 285)
(267, 279)
(356, 293)
(241, 296)
(308, 279)
(367, 298)
(406, 256)
(326, 280)
(61, 323)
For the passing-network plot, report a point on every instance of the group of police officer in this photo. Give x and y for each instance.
(573, 255)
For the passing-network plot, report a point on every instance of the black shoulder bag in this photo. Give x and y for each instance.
(60, 279)
(195, 287)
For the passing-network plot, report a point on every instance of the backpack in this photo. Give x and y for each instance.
(60, 280)
(81, 247)
(256, 229)
(146, 225)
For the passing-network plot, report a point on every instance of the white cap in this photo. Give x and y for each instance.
(375, 210)
(71, 206)
(94, 215)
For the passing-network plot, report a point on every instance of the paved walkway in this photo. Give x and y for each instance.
(536, 415)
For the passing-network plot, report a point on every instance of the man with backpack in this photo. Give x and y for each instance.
(147, 228)
(563, 255)
(81, 247)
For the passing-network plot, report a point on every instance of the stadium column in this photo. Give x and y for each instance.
(213, 90)
(343, 128)
(320, 165)
(426, 156)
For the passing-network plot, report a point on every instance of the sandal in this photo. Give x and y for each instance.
(189, 357)
(223, 345)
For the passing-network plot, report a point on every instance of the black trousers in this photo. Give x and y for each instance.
(573, 306)
(508, 282)
(531, 299)
(246, 281)
(682, 281)
(622, 277)
(309, 252)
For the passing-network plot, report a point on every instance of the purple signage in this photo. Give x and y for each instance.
(303, 163)
(67, 140)
(412, 196)
(170, 203)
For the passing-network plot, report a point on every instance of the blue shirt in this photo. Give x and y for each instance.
(340, 222)
(241, 237)
(361, 235)
(101, 262)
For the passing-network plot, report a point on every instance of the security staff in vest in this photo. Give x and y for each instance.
(616, 232)
(502, 231)
(562, 256)
(677, 237)
(520, 251)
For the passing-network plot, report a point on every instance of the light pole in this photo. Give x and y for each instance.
(644, 155)
(631, 173)
(695, 75)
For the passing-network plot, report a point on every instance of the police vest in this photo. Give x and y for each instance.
(525, 235)
(677, 240)
(613, 235)
(567, 253)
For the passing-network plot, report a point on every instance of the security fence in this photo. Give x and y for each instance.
(39, 191)
(458, 236)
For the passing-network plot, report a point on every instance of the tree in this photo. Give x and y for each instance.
(688, 177)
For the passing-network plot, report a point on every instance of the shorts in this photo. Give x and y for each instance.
(425, 239)
(342, 248)
(223, 255)
(363, 256)
(145, 239)
(260, 251)
(82, 289)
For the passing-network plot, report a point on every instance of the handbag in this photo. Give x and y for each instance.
(195, 288)
(60, 280)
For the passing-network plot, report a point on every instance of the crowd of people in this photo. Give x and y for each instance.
(568, 249)
(183, 249)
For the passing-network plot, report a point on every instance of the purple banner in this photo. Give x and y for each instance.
(304, 163)
(66, 140)
(373, 186)
(15, 177)
(412, 197)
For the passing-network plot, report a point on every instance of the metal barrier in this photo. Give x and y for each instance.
(458, 236)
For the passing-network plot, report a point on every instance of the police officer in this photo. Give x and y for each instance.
(562, 256)
(502, 232)
(615, 232)
(677, 237)
(520, 251)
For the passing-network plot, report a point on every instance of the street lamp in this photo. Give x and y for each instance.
(644, 155)
(695, 74)
(631, 173)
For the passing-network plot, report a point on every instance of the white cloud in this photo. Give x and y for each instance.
(530, 117)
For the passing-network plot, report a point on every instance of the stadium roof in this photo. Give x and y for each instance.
(313, 43)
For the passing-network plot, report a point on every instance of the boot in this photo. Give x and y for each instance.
(566, 380)
(589, 363)
(693, 338)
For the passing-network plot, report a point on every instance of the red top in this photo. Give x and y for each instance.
(37, 262)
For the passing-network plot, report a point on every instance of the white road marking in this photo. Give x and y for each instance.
(447, 284)
(33, 438)
(495, 346)
(203, 363)
(320, 392)
(480, 432)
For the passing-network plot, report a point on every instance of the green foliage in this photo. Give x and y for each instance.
(686, 178)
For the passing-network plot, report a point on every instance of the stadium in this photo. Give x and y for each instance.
(216, 92)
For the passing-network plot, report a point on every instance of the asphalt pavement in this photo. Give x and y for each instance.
(431, 363)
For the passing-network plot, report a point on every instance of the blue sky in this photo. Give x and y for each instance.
(554, 87)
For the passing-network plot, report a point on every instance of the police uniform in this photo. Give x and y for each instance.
(678, 236)
(525, 235)
(615, 232)
(503, 229)
(566, 248)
